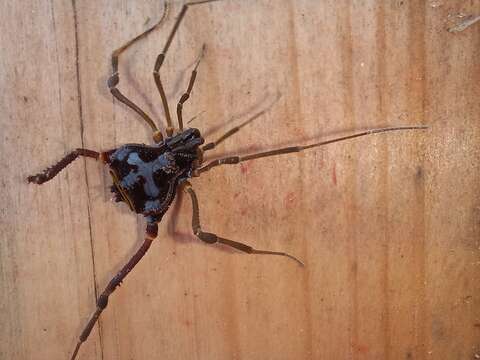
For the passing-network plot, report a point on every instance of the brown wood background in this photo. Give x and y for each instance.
(388, 225)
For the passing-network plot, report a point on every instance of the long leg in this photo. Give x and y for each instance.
(186, 94)
(50, 172)
(161, 58)
(213, 144)
(115, 79)
(102, 302)
(211, 238)
(292, 149)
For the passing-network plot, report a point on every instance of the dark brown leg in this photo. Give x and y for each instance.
(211, 238)
(161, 58)
(102, 302)
(50, 172)
(115, 79)
(158, 81)
(234, 130)
(186, 94)
(292, 149)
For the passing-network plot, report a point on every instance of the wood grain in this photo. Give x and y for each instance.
(388, 225)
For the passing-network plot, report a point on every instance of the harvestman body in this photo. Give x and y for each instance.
(147, 178)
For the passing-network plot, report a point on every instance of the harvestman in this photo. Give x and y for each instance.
(146, 177)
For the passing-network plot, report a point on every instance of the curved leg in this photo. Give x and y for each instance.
(161, 58)
(186, 94)
(52, 171)
(211, 238)
(292, 149)
(114, 79)
(102, 302)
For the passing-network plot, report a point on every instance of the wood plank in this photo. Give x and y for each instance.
(46, 256)
(387, 225)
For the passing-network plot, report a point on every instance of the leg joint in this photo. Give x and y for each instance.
(102, 301)
(113, 80)
(209, 238)
(183, 99)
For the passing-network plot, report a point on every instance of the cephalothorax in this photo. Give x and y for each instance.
(146, 177)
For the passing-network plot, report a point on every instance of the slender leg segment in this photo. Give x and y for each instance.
(161, 58)
(292, 149)
(163, 96)
(102, 302)
(186, 94)
(211, 238)
(52, 171)
(115, 79)
(213, 144)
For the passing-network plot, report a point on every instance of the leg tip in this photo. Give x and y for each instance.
(36, 179)
(204, 51)
(299, 262)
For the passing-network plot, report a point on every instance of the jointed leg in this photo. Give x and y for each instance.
(291, 149)
(234, 130)
(211, 238)
(158, 81)
(50, 172)
(115, 79)
(102, 302)
(186, 94)
(161, 58)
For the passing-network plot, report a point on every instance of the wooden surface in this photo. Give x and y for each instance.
(387, 225)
